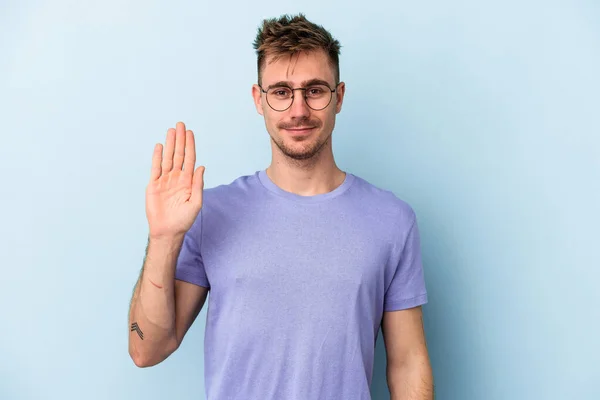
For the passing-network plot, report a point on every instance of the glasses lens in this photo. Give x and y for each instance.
(318, 96)
(280, 98)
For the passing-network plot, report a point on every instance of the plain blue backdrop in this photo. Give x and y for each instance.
(483, 115)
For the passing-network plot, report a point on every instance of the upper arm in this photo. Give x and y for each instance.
(189, 300)
(404, 336)
(405, 277)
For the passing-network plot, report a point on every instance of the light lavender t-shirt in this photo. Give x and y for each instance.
(298, 286)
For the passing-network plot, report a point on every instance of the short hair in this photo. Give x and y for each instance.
(289, 35)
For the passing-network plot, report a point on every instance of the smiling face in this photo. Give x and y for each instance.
(299, 132)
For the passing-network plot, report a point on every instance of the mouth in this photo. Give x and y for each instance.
(300, 131)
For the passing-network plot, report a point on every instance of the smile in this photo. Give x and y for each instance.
(300, 131)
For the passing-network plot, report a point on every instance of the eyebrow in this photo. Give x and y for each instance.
(310, 82)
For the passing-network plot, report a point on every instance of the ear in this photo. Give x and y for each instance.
(257, 96)
(341, 90)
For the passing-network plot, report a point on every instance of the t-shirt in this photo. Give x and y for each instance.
(298, 286)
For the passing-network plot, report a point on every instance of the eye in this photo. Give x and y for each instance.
(281, 92)
(315, 91)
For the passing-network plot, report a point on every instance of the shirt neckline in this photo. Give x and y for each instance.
(268, 184)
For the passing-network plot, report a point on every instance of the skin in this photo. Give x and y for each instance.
(409, 374)
(302, 164)
(163, 309)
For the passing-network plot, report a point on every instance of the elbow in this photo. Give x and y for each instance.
(144, 358)
(415, 376)
(140, 362)
(141, 359)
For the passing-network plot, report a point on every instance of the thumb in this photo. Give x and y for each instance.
(197, 185)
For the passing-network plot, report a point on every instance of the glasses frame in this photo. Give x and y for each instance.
(305, 99)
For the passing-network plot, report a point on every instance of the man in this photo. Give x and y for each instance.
(304, 262)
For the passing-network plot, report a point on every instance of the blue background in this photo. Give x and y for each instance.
(484, 116)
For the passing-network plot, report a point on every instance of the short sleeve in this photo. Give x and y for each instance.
(190, 267)
(407, 287)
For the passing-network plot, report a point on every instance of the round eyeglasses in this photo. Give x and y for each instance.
(317, 97)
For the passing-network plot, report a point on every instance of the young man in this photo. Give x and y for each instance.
(304, 262)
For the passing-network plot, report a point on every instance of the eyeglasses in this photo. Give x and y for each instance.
(317, 97)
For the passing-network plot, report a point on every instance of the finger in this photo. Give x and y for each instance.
(179, 146)
(156, 169)
(167, 161)
(190, 154)
(197, 186)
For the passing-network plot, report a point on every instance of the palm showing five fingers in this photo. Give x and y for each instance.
(174, 193)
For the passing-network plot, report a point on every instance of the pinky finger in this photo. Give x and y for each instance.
(156, 162)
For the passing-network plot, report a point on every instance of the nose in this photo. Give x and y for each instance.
(299, 108)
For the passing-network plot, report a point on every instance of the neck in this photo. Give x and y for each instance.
(317, 175)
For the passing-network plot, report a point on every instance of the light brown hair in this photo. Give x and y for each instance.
(289, 35)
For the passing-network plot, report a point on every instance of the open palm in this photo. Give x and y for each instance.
(174, 193)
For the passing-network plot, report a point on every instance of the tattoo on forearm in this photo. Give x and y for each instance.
(135, 327)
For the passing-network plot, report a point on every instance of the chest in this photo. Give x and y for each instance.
(304, 258)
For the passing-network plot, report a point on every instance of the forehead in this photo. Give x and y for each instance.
(298, 68)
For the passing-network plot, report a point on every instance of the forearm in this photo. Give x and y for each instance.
(412, 380)
(152, 335)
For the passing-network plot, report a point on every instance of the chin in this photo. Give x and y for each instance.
(301, 150)
(299, 147)
(301, 156)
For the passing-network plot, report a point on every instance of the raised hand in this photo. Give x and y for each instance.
(174, 193)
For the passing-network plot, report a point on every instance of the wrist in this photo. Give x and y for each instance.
(165, 241)
(162, 249)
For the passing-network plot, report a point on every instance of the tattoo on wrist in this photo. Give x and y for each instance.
(135, 327)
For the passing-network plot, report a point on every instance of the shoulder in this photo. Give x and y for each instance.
(221, 204)
(233, 192)
(384, 203)
(393, 219)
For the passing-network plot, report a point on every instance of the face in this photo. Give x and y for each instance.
(299, 132)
